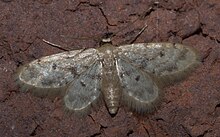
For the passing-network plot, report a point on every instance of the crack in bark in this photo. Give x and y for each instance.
(147, 131)
(96, 134)
(101, 129)
(199, 30)
(143, 15)
(78, 5)
(9, 94)
(106, 19)
(130, 132)
(29, 45)
(33, 133)
(196, 32)
(92, 5)
(203, 134)
(186, 130)
(206, 55)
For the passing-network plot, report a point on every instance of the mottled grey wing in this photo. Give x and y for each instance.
(140, 91)
(48, 75)
(167, 61)
(85, 90)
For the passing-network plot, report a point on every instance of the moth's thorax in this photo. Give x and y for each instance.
(108, 56)
(107, 50)
(110, 80)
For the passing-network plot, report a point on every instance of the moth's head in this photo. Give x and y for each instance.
(106, 38)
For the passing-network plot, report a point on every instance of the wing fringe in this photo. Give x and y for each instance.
(143, 108)
(94, 106)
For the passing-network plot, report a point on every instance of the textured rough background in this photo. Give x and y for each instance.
(190, 108)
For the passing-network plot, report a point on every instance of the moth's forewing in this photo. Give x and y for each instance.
(167, 61)
(49, 75)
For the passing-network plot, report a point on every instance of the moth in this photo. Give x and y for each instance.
(131, 75)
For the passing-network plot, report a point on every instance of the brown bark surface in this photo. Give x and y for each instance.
(190, 108)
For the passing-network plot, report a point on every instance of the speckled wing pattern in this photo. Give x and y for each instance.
(85, 90)
(50, 75)
(131, 75)
(145, 68)
(140, 91)
(169, 62)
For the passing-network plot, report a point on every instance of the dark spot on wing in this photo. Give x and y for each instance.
(137, 78)
(54, 66)
(121, 75)
(127, 73)
(161, 53)
(82, 83)
(47, 82)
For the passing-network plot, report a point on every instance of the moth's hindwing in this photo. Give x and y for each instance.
(140, 91)
(84, 91)
(49, 75)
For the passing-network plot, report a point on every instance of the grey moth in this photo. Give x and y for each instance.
(130, 75)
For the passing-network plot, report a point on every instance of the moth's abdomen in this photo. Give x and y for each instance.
(112, 96)
(111, 88)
